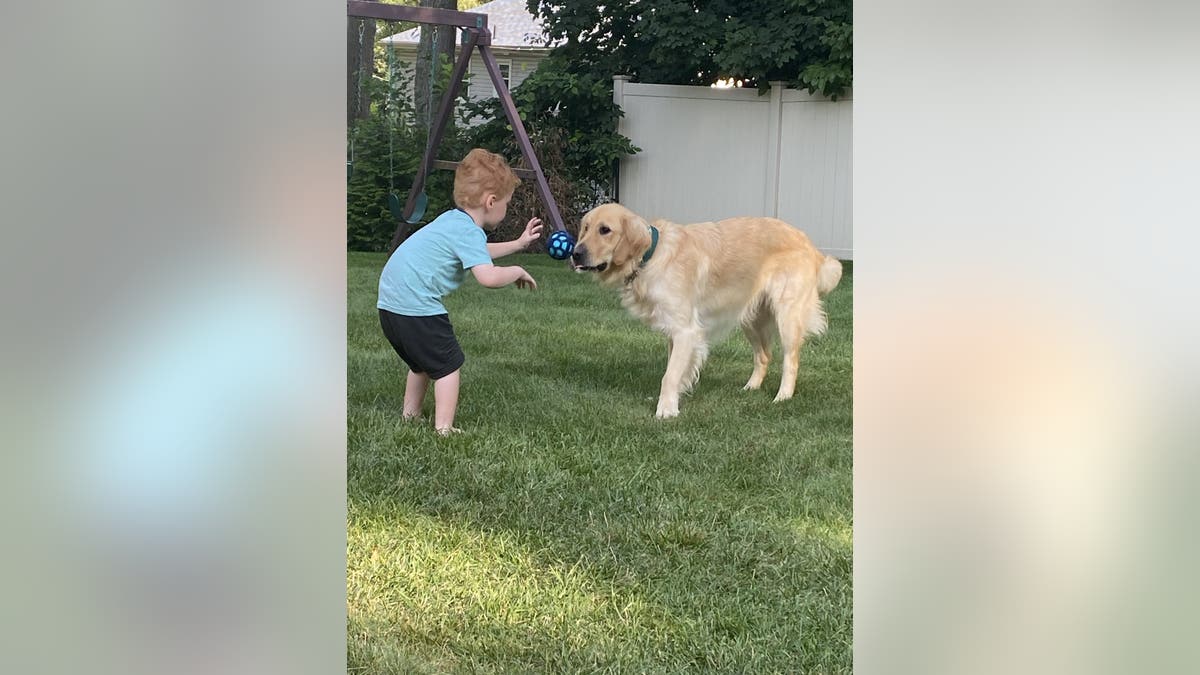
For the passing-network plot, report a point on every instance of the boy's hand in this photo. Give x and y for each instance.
(525, 280)
(533, 232)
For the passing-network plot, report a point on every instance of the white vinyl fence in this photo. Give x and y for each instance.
(709, 154)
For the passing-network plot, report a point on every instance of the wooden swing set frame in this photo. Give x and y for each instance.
(476, 35)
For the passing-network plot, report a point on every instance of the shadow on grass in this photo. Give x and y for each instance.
(730, 546)
(569, 531)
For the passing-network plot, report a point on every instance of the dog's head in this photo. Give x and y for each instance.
(612, 241)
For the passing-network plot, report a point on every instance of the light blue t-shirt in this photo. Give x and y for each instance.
(431, 263)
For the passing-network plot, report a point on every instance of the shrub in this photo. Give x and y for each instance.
(572, 126)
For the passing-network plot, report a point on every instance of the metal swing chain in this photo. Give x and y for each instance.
(362, 26)
(391, 122)
(433, 76)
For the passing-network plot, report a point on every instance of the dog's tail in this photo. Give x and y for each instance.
(829, 275)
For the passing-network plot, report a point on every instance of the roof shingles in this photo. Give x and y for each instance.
(510, 22)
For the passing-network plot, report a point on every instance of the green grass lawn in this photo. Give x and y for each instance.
(568, 531)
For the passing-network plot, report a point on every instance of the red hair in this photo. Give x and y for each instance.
(482, 173)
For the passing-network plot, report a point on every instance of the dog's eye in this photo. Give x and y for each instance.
(604, 229)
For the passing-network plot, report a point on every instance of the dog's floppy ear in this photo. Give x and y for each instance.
(635, 239)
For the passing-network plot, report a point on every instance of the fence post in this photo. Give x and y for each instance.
(619, 99)
(774, 143)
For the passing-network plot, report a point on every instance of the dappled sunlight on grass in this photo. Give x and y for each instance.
(436, 583)
(568, 530)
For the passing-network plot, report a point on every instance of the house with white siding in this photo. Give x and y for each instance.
(517, 43)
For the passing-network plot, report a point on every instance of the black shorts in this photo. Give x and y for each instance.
(426, 343)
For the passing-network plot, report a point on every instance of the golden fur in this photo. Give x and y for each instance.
(705, 279)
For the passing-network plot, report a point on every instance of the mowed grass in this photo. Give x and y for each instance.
(568, 531)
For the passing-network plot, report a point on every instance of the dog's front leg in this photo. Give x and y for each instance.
(682, 346)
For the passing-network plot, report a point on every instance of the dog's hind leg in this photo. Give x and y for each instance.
(758, 332)
(791, 317)
(791, 338)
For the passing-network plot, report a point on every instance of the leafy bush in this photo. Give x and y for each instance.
(383, 153)
(572, 197)
(570, 110)
(805, 43)
(571, 120)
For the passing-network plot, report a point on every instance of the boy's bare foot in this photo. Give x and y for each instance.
(446, 431)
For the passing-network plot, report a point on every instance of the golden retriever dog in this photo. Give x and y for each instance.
(695, 283)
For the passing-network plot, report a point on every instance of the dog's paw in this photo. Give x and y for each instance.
(666, 411)
(782, 396)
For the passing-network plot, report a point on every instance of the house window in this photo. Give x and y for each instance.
(506, 73)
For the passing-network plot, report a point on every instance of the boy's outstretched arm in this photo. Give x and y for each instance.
(533, 231)
(497, 277)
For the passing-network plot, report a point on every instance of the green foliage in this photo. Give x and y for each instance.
(571, 121)
(387, 149)
(570, 195)
(805, 43)
(567, 107)
(573, 107)
(384, 152)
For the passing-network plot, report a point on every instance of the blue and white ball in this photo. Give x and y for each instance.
(560, 245)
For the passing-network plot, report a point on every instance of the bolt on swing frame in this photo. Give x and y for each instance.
(475, 35)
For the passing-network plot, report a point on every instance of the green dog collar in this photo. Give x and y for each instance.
(653, 244)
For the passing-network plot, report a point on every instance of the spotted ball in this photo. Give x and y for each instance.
(560, 245)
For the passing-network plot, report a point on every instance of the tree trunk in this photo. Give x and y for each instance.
(437, 44)
(360, 63)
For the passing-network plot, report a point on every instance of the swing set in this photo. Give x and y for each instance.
(475, 35)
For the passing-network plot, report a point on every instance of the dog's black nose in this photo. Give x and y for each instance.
(578, 256)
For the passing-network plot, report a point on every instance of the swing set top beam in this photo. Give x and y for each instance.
(444, 17)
